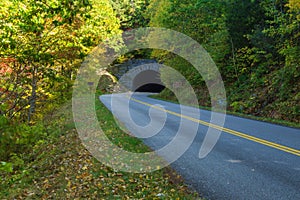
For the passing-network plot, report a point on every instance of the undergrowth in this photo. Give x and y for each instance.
(52, 163)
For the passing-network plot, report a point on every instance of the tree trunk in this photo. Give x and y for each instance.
(32, 98)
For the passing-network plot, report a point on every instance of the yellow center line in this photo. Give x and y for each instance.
(232, 132)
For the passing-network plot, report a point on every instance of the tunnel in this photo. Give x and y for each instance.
(152, 87)
(147, 81)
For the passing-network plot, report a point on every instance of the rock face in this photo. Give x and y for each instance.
(140, 75)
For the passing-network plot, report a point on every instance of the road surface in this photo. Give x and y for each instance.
(251, 160)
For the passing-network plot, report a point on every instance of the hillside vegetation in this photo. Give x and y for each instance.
(255, 44)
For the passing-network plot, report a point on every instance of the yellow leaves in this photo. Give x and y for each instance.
(46, 184)
(99, 185)
(132, 181)
(141, 176)
(69, 184)
(120, 180)
(294, 5)
(84, 168)
(68, 171)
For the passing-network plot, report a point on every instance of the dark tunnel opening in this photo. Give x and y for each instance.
(148, 81)
(151, 87)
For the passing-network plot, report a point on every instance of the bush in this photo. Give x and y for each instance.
(17, 139)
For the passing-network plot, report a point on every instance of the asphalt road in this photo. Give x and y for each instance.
(251, 160)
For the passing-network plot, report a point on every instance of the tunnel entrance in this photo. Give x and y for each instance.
(156, 88)
(148, 81)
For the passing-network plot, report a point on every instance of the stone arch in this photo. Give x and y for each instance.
(143, 78)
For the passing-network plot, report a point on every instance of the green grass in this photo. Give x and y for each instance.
(120, 137)
(61, 168)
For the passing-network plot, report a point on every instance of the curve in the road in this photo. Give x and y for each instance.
(233, 132)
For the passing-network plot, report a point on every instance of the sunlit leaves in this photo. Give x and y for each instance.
(131, 13)
(49, 39)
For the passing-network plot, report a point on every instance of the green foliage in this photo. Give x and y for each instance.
(242, 17)
(62, 165)
(43, 44)
(204, 21)
(255, 45)
(18, 138)
(6, 167)
(131, 13)
(3, 121)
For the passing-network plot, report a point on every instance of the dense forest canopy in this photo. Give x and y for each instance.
(255, 44)
(43, 43)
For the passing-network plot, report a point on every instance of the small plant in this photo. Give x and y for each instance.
(6, 167)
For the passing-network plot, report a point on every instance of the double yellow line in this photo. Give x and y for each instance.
(232, 132)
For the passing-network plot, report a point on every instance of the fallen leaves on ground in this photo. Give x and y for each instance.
(66, 170)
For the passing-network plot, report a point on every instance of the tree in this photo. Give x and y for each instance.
(131, 13)
(49, 39)
(202, 20)
(254, 43)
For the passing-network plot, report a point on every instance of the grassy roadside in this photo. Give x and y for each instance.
(264, 119)
(61, 168)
